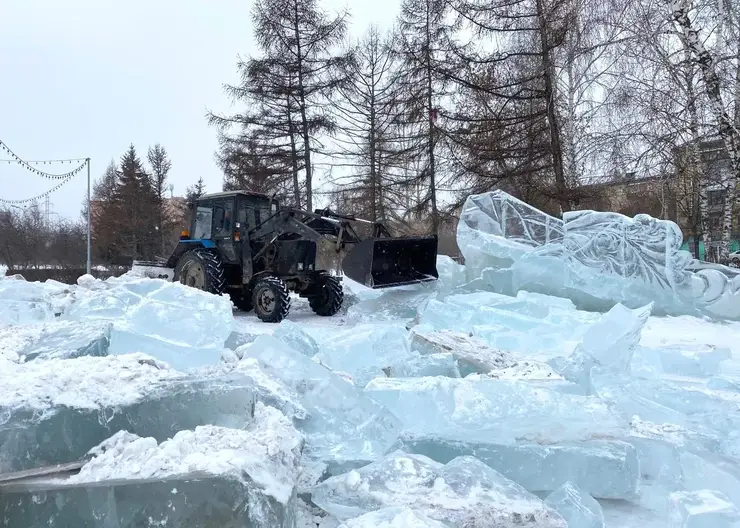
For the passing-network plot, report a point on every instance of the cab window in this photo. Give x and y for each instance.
(223, 219)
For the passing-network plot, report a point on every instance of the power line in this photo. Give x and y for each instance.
(27, 165)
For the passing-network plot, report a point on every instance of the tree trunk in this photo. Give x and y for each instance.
(552, 119)
(430, 117)
(304, 118)
(726, 128)
(293, 157)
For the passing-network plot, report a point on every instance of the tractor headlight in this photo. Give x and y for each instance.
(300, 266)
(310, 266)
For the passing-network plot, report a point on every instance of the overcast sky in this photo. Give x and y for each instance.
(85, 78)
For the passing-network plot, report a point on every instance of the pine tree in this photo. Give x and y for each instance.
(287, 90)
(160, 165)
(135, 204)
(195, 191)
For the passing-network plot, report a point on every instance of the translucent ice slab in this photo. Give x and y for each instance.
(464, 492)
(495, 411)
(704, 509)
(182, 326)
(55, 340)
(54, 411)
(594, 258)
(343, 425)
(368, 351)
(576, 507)
(23, 302)
(211, 476)
(604, 469)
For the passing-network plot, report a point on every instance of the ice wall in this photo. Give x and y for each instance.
(594, 258)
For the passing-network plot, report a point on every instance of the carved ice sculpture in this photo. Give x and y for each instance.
(595, 258)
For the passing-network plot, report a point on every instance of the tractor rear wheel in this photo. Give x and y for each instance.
(201, 269)
(328, 301)
(271, 300)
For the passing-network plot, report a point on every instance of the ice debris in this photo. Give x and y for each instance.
(294, 336)
(578, 508)
(208, 476)
(704, 509)
(463, 492)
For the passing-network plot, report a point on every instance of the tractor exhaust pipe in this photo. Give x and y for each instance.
(387, 262)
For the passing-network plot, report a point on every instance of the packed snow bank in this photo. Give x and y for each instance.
(595, 258)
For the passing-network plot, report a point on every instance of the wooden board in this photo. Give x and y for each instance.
(57, 470)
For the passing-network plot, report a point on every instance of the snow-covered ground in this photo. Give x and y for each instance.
(425, 406)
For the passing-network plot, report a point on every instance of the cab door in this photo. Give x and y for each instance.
(242, 246)
(223, 230)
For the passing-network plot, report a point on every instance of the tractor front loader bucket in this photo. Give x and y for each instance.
(153, 270)
(388, 262)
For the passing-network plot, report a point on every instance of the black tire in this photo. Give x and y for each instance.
(735, 263)
(242, 301)
(201, 269)
(329, 299)
(271, 300)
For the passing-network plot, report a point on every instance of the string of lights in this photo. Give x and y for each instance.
(44, 194)
(44, 162)
(27, 165)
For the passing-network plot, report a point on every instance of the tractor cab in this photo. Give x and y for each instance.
(230, 215)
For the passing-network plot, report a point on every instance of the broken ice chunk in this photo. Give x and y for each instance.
(696, 361)
(464, 492)
(499, 411)
(393, 517)
(54, 411)
(23, 302)
(608, 344)
(604, 469)
(57, 340)
(296, 338)
(211, 476)
(182, 326)
(704, 509)
(344, 426)
(472, 354)
(576, 507)
(392, 305)
(377, 350)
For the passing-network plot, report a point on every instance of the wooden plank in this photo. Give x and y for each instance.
(46, 471)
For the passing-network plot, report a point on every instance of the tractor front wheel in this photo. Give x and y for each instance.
(271, 300)
(201, 269)
(329, 298)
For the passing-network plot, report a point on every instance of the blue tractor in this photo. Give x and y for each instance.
(247, 245)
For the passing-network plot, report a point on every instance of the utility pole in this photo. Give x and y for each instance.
(89, 237)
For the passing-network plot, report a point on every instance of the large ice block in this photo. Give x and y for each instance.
(472, 354)
(343, 426)
(393, 517)
(55, 340)
(464, 492)
(368, 351)
(595, 258)
(210, 476)
(296, 338)
(23, 302)
(606, 469)
(704, 509)
(182, 326)
(54, 411)
(495, 411)
(391, 305)
(576, 507)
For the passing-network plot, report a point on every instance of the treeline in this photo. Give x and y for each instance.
(537, 97)
(132, 216)
(28, 241)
